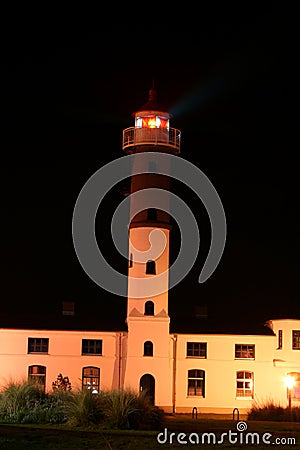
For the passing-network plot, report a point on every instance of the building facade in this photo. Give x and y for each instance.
(212, 371)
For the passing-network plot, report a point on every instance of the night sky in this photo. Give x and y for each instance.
(231, 81)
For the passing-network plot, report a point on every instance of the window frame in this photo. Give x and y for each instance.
(151, 267)
(196, 381)
(149, 346)
(244, 379)
(193, 349)
(91, 376)
(244, 349)
(295, 339)
(280, 340)
(33, 342)
(91, 353)
(149, 308)
(37, 377)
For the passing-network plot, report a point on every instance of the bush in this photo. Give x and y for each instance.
(274, 412)
(25, 402)
(126, 409)
(18, 399)
(83, 408)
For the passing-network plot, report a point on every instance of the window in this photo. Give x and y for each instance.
(38, 345)
(196, 349)
(152, 214)
(150, 267)
(244, 351)
(149, 308)
(244, 384)
(130, 264)
(91, 347)
(148, 348)
(296, 339)
(279, 340)
(196, 383)
(91, 379)
(38, 375)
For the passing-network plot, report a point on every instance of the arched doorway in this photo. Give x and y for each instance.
(147, 383)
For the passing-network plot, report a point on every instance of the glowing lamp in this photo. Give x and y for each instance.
(289, 382)
(152, 121)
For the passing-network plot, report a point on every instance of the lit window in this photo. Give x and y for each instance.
(196, 349)
(38, 345)
(150, 267)
(148, 348)
(152, 121)
(243, 351)
(91, 379)
(38, 375)
(91, 347)
(196, 383)
(296, 388)
(244, 384)
(296, 339)
(279, 340)
(149, 308)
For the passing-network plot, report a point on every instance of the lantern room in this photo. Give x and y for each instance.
(146, 119)
(152, 127)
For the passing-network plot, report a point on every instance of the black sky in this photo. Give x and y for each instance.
(230, 78)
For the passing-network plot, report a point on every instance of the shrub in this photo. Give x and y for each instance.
(273, 411)
(83, 408)
(18, 399)
(127, 409)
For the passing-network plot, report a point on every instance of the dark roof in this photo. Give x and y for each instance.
(194, 325)
(152, 103)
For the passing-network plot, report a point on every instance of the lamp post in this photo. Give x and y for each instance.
(290, 383)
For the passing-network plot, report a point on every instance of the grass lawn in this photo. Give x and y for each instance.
(33, 437)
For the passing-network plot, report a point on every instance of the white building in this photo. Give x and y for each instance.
(215, 370)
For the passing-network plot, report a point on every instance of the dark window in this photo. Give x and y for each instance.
(244, 351)
(91, 379)
(196, 382)
(38, 375)
(279, 339)
(148, 348)
(152, 214)
(196, 349)
(150, 267)
(38, 345)
(91, 346)
(244, 384)
(296, 339)
(149, 308)
(130, 260)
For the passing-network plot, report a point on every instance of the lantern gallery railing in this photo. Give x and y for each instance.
(134, 136)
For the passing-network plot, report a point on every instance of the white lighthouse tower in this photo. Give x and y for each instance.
(149, 363)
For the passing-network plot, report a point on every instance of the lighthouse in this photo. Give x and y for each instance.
(149, 361)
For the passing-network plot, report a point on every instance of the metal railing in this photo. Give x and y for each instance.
(134, 136)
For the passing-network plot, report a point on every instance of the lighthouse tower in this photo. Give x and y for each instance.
(149, 363)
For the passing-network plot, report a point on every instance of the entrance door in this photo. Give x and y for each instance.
(147, 383)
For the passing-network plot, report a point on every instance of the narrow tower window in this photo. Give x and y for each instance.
(149, 308)
(150, 267)
(130, 262)
(152, 214)
(148, 348)
(279, 340)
